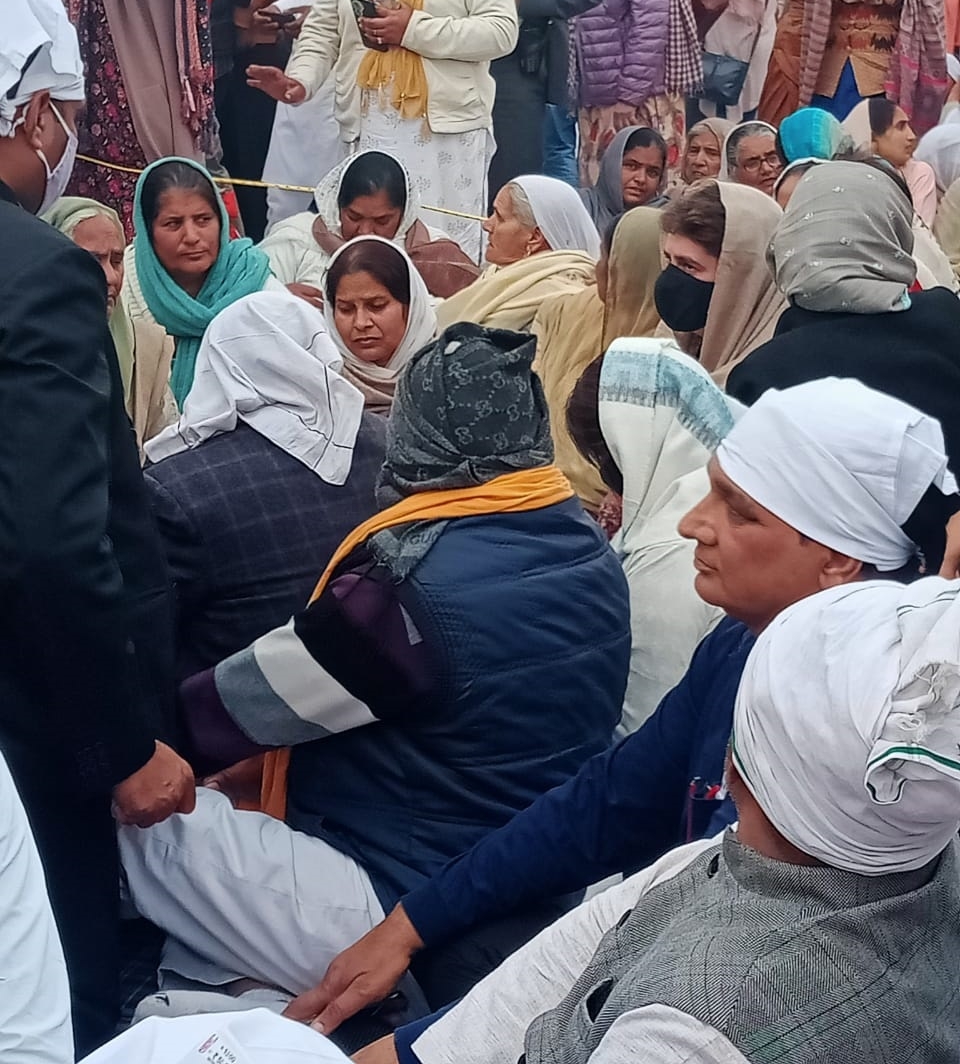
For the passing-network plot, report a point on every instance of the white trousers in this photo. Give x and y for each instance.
(305, 145)
(241, 894)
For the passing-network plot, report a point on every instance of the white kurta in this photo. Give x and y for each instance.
(35, 1023)
(489, 1024)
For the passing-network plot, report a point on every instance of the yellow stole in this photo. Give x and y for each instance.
(401, 70)
(529, 489)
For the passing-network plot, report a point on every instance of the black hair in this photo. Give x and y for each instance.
(175, 175)
(373, 172)
(583, 424)
(377, 258)
(647, 138)
(881, 111)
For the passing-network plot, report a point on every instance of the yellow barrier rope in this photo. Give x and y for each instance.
(246, 183)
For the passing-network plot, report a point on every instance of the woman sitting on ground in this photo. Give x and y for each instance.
(379, 314)
(573, 330)
(882, 127)
(187, 267)
(541, 243)
(648, 418)
(406, 749)
(271, 464)
(369, 194)
(716, 293)
(144, 351)
(633, 173)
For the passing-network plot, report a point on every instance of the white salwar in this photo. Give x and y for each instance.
(241, 894)
(305, 142)
(448, 170)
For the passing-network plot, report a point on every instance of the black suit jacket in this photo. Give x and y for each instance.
(86, 678)
(247, 530)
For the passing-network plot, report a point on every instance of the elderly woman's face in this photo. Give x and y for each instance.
(509, 240)
(370, 319)
(104, 241)
(701, 157)
(758, 164)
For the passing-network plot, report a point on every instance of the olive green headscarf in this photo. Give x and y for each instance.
(66, 214)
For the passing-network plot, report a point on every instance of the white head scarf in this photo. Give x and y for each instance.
(840, 463)
(268, 360)
(328, 191)
(38, 51)
(560, 214)
(378, 382)
(941, 149)
(847, 724)
(256, 1035)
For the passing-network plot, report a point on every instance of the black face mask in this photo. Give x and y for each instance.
(682, 301)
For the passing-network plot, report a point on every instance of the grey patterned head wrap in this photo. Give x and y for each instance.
(468, 409)
(845, 242)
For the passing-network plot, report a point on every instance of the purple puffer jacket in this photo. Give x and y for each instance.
(621, 51)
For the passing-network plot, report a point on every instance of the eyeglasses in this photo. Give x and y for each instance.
(753, 164)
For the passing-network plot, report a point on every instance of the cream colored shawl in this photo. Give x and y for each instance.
(946, 227)
(746, 302)
(508, 297)
(573, 330)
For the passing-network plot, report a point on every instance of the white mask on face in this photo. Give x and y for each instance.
(59, 176)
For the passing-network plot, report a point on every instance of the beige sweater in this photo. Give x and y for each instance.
(456, 38)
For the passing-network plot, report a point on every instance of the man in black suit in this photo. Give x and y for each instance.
(86, 662)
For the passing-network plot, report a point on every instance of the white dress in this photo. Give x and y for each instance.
(448, 170)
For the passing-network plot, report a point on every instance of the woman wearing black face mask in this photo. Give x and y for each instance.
(716, 293)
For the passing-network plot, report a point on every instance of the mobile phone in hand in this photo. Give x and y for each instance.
(367, 9)
(280, 18)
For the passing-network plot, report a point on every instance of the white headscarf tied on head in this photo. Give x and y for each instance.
(378, 382)
(560, 214)
(38, 52)
(842, 464)
(268, 361)
(847, 724)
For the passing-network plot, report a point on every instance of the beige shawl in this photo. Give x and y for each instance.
(508, 297)
(144, 35)
(573, 330)
(946, 227)
(746, 302)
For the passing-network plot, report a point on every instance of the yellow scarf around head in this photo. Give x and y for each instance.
(513, 493)
(402, 71)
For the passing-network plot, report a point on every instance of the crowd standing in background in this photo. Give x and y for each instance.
(479, 531)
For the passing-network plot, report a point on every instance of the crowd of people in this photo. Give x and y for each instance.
(500, 606)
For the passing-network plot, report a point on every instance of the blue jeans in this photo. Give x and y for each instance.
(560, 145)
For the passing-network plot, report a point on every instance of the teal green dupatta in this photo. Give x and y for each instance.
(240, 270)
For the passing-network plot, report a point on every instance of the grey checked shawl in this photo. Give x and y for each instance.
(792, 964)
(467, 409)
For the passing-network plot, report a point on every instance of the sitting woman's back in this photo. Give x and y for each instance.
(270, 465)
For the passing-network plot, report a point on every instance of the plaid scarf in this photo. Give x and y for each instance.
(917, 77)
(683, 72)
(816, 29)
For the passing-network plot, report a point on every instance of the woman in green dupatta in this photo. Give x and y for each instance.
(188, 268)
